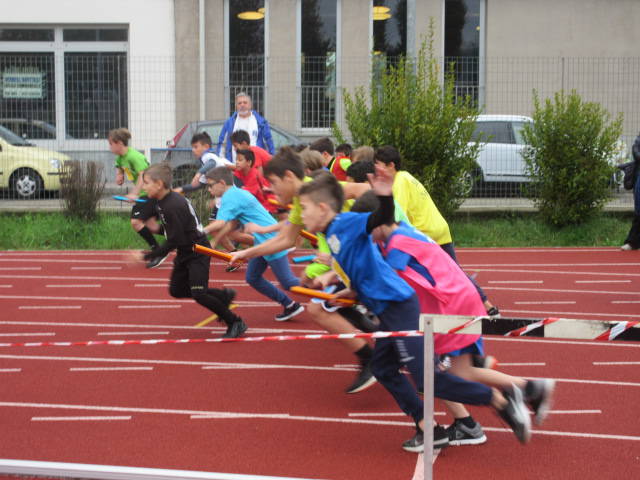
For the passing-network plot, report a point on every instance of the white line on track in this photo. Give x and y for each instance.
(602, 281)
(587, 343)
(65, 260)
(574, 315)
(386, 414)
(10, 370)
(95, 285)
(598, 436)
(133, 333)
(523, 364)
(516, 281)
(109, 369)
(20, 268)
(49, 307)
(259, 366)
(618, 264)
(574, 412)
(117, 278)
(163, 285)
(560, 302)
(616, 363)
(563, 291)
(554, 272)
(37, 334)
(625, 301)
(6, 286)
(96, 268)
(76, 419)
(593, 382)
(150, 306)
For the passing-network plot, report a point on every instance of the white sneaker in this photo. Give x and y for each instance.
(626, 247)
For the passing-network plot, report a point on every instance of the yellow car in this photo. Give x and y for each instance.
(28, 170)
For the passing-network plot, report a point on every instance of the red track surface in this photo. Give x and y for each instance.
(279, 408)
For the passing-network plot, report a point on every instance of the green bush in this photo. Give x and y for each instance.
(410, 107)
(570, 147)
(81, 187)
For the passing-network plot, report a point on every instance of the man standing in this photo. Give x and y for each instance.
(244, 118)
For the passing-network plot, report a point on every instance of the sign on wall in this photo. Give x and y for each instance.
(20, 83)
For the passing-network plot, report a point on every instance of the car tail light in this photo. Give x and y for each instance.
(176, 139)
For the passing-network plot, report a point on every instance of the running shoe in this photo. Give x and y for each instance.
(539, 396)
(156, 262)
(289, 312)
(516, 415)
(235, 329)
(460, 434)
(363, 380)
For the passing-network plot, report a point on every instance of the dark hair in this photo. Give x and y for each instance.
(299, 147)
(324, 189)
(160, 171)
(121, 135)
(312, 159)
(220, 174)
(367, 202)
(201, 137)
(322, 145)
(358, 171)
(247, 154)
(387, 155)
(285, 159)
(345, 148)
(241, 136)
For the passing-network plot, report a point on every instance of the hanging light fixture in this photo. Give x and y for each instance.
(251, 15)
(381, 9)
(381, 16)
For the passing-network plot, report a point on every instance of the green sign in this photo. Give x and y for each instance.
(20, 84)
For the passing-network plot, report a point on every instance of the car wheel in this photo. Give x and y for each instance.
(26, 183)
(183, 174)
(472, 182)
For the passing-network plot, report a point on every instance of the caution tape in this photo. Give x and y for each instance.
(276, 338)
(524, 330)
(616, 330)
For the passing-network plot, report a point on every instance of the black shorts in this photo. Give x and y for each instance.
(145, 210)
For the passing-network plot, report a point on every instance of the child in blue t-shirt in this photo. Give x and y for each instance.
(240, 206)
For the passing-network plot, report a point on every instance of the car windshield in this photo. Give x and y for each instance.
(12, 138)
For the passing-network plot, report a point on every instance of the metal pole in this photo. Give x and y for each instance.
(428, 396)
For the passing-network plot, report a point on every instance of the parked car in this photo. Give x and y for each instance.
(500, 158)
(179, 148)
(25, 169)
(29, 128)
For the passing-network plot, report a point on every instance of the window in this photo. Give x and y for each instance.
(318, 35)
(246, 51)
(493, 132)
(389, 28)
(88, 64)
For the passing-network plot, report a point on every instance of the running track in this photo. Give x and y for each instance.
(277, 408)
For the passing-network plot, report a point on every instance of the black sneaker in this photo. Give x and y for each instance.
(232, 268)
(156, 262)
(494, 313)
(516, 414)
(440, 437)
(416, 443)
(460, 434)
(540, 398)
(289, 312)
(363, 380)
(235, 329)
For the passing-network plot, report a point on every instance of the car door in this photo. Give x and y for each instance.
(499, 158)
(519, 166)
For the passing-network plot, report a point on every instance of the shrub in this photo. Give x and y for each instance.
(570, 147)
(410, 107)
(81, 187)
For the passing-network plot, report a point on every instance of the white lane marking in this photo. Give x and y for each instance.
(6, 286)
(568, 434)
(564, 291)
(56, 260)
(133, 333)
(593, 382)
(108, 369)
(386, 414)
(557, 272)
(587, 343)
(20, 268)
(576, 315)
(568, 302)
(625, 301)
(43, 334)
(616, 363)
(150, 284)
(616, 264)
(76, 419)
(516, 281)
(49, 307)
(102, 278)
(95, 285)
(524, 364)
(149, 306)
(602, 281)
(96, 268)
(10, 370)
(574, 412)
(132, 300)
(258, 366)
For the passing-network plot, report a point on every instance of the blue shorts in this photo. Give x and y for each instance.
(476, 348)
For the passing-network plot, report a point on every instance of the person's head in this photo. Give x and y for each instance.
(344, 150)
(157, 179)
(243, 104)
(118, 139)
(362, 154)
(240, 139)
(312, 160)
(321, 200)
(357, 172)
(368, 202)
(324, 145)
(219, 180)
(200, 143)
(300, 147)
(245, 160)
(389, 158)
(285, 172)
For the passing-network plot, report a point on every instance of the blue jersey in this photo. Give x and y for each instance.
(375, 282)
(399, 260)
(240, 205)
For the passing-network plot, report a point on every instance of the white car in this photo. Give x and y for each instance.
(500, 158)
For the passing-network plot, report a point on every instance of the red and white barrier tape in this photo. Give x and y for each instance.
(466, 324)
(90, 343)
(616, 330)
(524, 330)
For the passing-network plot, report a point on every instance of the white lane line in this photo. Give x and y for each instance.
(531, 364)
(602, 281)
(616, 363)
(517, 281)
(259, 366)
(568, 434)
(625, 301)
(76, 419)
(562, 302)
(43, 334)
(96, 268)
(150, 284)
(10, 370)
(593, 382)
(132, 300)
(556, 272)
(586, 343)
(65, 261)
(574, 412)
(6, 286)
(103, 278)
(133, 333)
(95, 285)
(150, 306)
(49, 307)
(563, 291)
(386, 414)
(20, 268)
(574, 315)
(108, 369)
(631, 264)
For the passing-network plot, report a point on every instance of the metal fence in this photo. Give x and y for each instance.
(66, 102)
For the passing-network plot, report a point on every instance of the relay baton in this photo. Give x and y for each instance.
(211, 252)
(275, 202)
(125, 199)
(310, 292)
(309, 236)
(305, 258)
